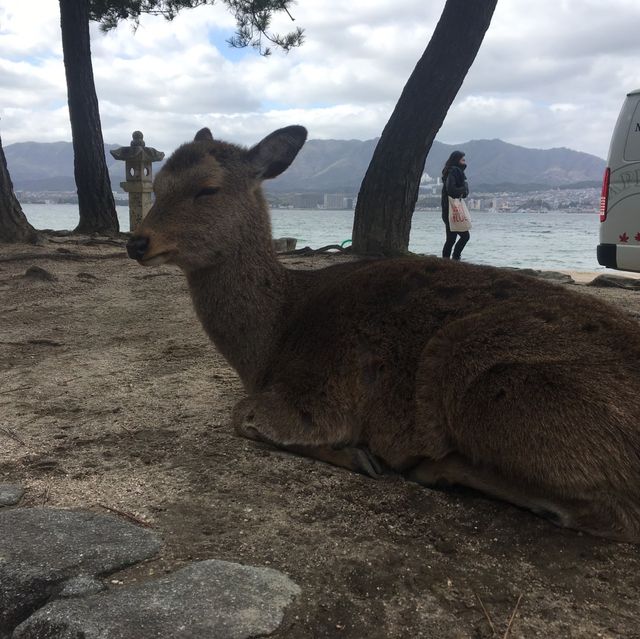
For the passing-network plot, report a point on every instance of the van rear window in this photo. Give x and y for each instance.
(632, 147)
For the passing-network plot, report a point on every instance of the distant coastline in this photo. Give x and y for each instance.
(582, 200)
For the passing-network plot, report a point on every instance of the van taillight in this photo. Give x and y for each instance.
(604, 196)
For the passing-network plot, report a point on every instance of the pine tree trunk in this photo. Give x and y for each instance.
(14, 226)
(389, 190)
(95, 198)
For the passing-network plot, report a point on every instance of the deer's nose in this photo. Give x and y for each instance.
(137, 246)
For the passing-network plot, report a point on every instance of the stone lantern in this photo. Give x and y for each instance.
(139, 183)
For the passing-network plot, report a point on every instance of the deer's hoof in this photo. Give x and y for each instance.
(367, 464)
(247, 424)
(248, 429)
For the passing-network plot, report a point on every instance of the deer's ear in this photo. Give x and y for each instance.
(203, 135)
(275, 153)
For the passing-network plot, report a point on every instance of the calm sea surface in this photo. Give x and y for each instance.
(553, 240)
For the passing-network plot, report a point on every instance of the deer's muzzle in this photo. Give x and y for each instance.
(137, 246)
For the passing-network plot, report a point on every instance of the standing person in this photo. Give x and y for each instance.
(454, 184)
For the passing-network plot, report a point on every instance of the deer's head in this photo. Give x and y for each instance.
(208, 199)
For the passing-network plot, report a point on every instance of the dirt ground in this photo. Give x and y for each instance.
(111, 397)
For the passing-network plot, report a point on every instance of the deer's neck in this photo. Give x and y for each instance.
(240, 304)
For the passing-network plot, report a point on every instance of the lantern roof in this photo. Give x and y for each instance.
(137, 150)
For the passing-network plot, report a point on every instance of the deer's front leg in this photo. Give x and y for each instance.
(267, 418)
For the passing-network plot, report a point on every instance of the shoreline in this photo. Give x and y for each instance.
(586, 277)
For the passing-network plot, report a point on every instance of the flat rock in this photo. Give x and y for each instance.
(43, 548)
(553, 276)
(82, 586)
(38, 273)
(212, 599)
(10, 494)
(615, 281)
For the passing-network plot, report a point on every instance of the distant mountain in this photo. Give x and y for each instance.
(492, 162)
(338, 166)
(48, 166)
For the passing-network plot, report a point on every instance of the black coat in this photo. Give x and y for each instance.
(454, 185)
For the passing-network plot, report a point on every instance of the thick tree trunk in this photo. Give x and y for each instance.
(95, 198)
(389, 190)
(14, 226)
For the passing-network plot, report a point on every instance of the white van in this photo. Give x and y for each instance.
(620, 201)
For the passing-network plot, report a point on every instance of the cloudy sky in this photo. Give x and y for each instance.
(550, 73)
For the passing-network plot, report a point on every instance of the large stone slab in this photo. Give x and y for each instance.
(616, 281)
(43, 548)
(212, 599)
(554, 276)
(10, 494)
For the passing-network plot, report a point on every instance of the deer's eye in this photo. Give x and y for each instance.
(208, 190)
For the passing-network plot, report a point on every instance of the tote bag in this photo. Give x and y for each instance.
(459, 218)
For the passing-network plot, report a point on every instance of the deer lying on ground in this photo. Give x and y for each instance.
(448, 373)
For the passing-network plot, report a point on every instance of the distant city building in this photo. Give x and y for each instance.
(429, 185)
(305, 200)
(338, 201)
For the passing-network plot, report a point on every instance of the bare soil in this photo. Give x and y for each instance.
(112, 398)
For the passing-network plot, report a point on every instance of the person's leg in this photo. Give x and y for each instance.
(451, 238)
(460, 244)
(448, 245)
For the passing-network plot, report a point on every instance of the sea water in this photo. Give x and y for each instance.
(552, 240)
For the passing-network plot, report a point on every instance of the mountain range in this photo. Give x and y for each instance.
(338, 166)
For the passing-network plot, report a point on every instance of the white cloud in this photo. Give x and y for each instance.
(561, 107)
(549, 73)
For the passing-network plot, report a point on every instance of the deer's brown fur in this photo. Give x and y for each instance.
(450, 373)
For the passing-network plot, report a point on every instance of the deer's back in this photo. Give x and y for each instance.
(356, 334)
(394, 307)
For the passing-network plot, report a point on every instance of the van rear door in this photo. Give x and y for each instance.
(619, 246)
